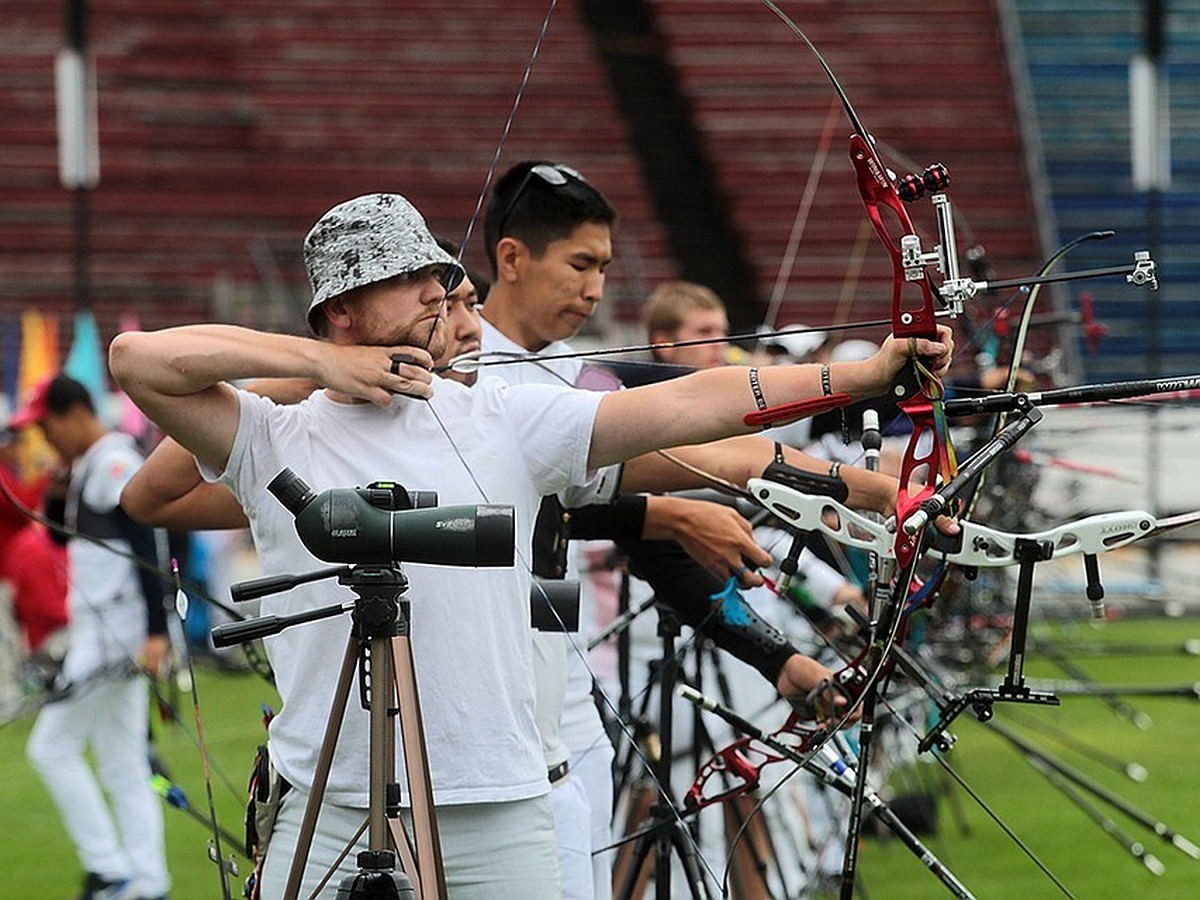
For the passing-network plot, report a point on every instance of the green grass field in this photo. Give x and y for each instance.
(37, 859)
(1075, 848)
(36, 854)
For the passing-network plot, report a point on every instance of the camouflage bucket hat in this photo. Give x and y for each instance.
(369, 239)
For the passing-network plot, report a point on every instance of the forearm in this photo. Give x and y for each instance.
(711, 405)
(177, 377)
(739, 459)
(177, 362)
(699, 598)
(168, 492)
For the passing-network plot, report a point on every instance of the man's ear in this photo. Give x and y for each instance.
(336, 312)
(510, 253)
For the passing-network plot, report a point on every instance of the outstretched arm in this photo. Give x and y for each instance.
(710, 405)
(168, 492)
(739, 459)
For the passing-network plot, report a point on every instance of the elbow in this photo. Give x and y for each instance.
(121, 353)
(742, 474)
(133, 501)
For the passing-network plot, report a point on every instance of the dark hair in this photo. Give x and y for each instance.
(65, 392)
(536, 212)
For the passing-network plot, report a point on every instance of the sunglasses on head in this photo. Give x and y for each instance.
(552, 174)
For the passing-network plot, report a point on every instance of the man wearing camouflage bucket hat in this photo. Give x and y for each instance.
(368, 240)
(383, 414)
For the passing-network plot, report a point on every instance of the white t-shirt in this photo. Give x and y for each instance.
(104, 597)
(470, 628)
(574, 722)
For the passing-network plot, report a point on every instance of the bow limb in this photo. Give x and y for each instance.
(1018, 349)
(918, 391)
(975, 545)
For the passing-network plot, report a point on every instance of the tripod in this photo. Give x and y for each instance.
(378, 646)
(666, 832)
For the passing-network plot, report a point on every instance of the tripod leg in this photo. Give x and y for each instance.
(631, 871)
(420, 785)
(686, 848)
(400, 838)
(321, 774)
(385, 777)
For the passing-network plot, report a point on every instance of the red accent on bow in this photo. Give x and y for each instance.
(797, 409)
(740, 765)
(1092, 330)
(875, 185)
(912, 317)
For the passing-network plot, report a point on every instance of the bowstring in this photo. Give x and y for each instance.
(611, 706)
(441, 424)
(514, 358)
(258, 663)
(800, 221)
(508, 124)
(581, 653)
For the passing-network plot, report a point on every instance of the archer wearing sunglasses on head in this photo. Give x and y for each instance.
(548, 234)
(379, 282)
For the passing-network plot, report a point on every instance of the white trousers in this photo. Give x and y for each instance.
(573, 831)
(489, 850)
(110, 716)
(593, 768)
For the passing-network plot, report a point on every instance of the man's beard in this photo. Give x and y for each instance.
(434, 340)
(428, 334)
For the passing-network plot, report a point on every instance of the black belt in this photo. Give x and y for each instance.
(559, 772)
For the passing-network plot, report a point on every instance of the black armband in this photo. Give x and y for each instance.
(550, 539)
(735, 626)
(622, 518)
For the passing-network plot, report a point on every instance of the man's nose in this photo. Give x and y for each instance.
(434, 292)
(593, 287)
